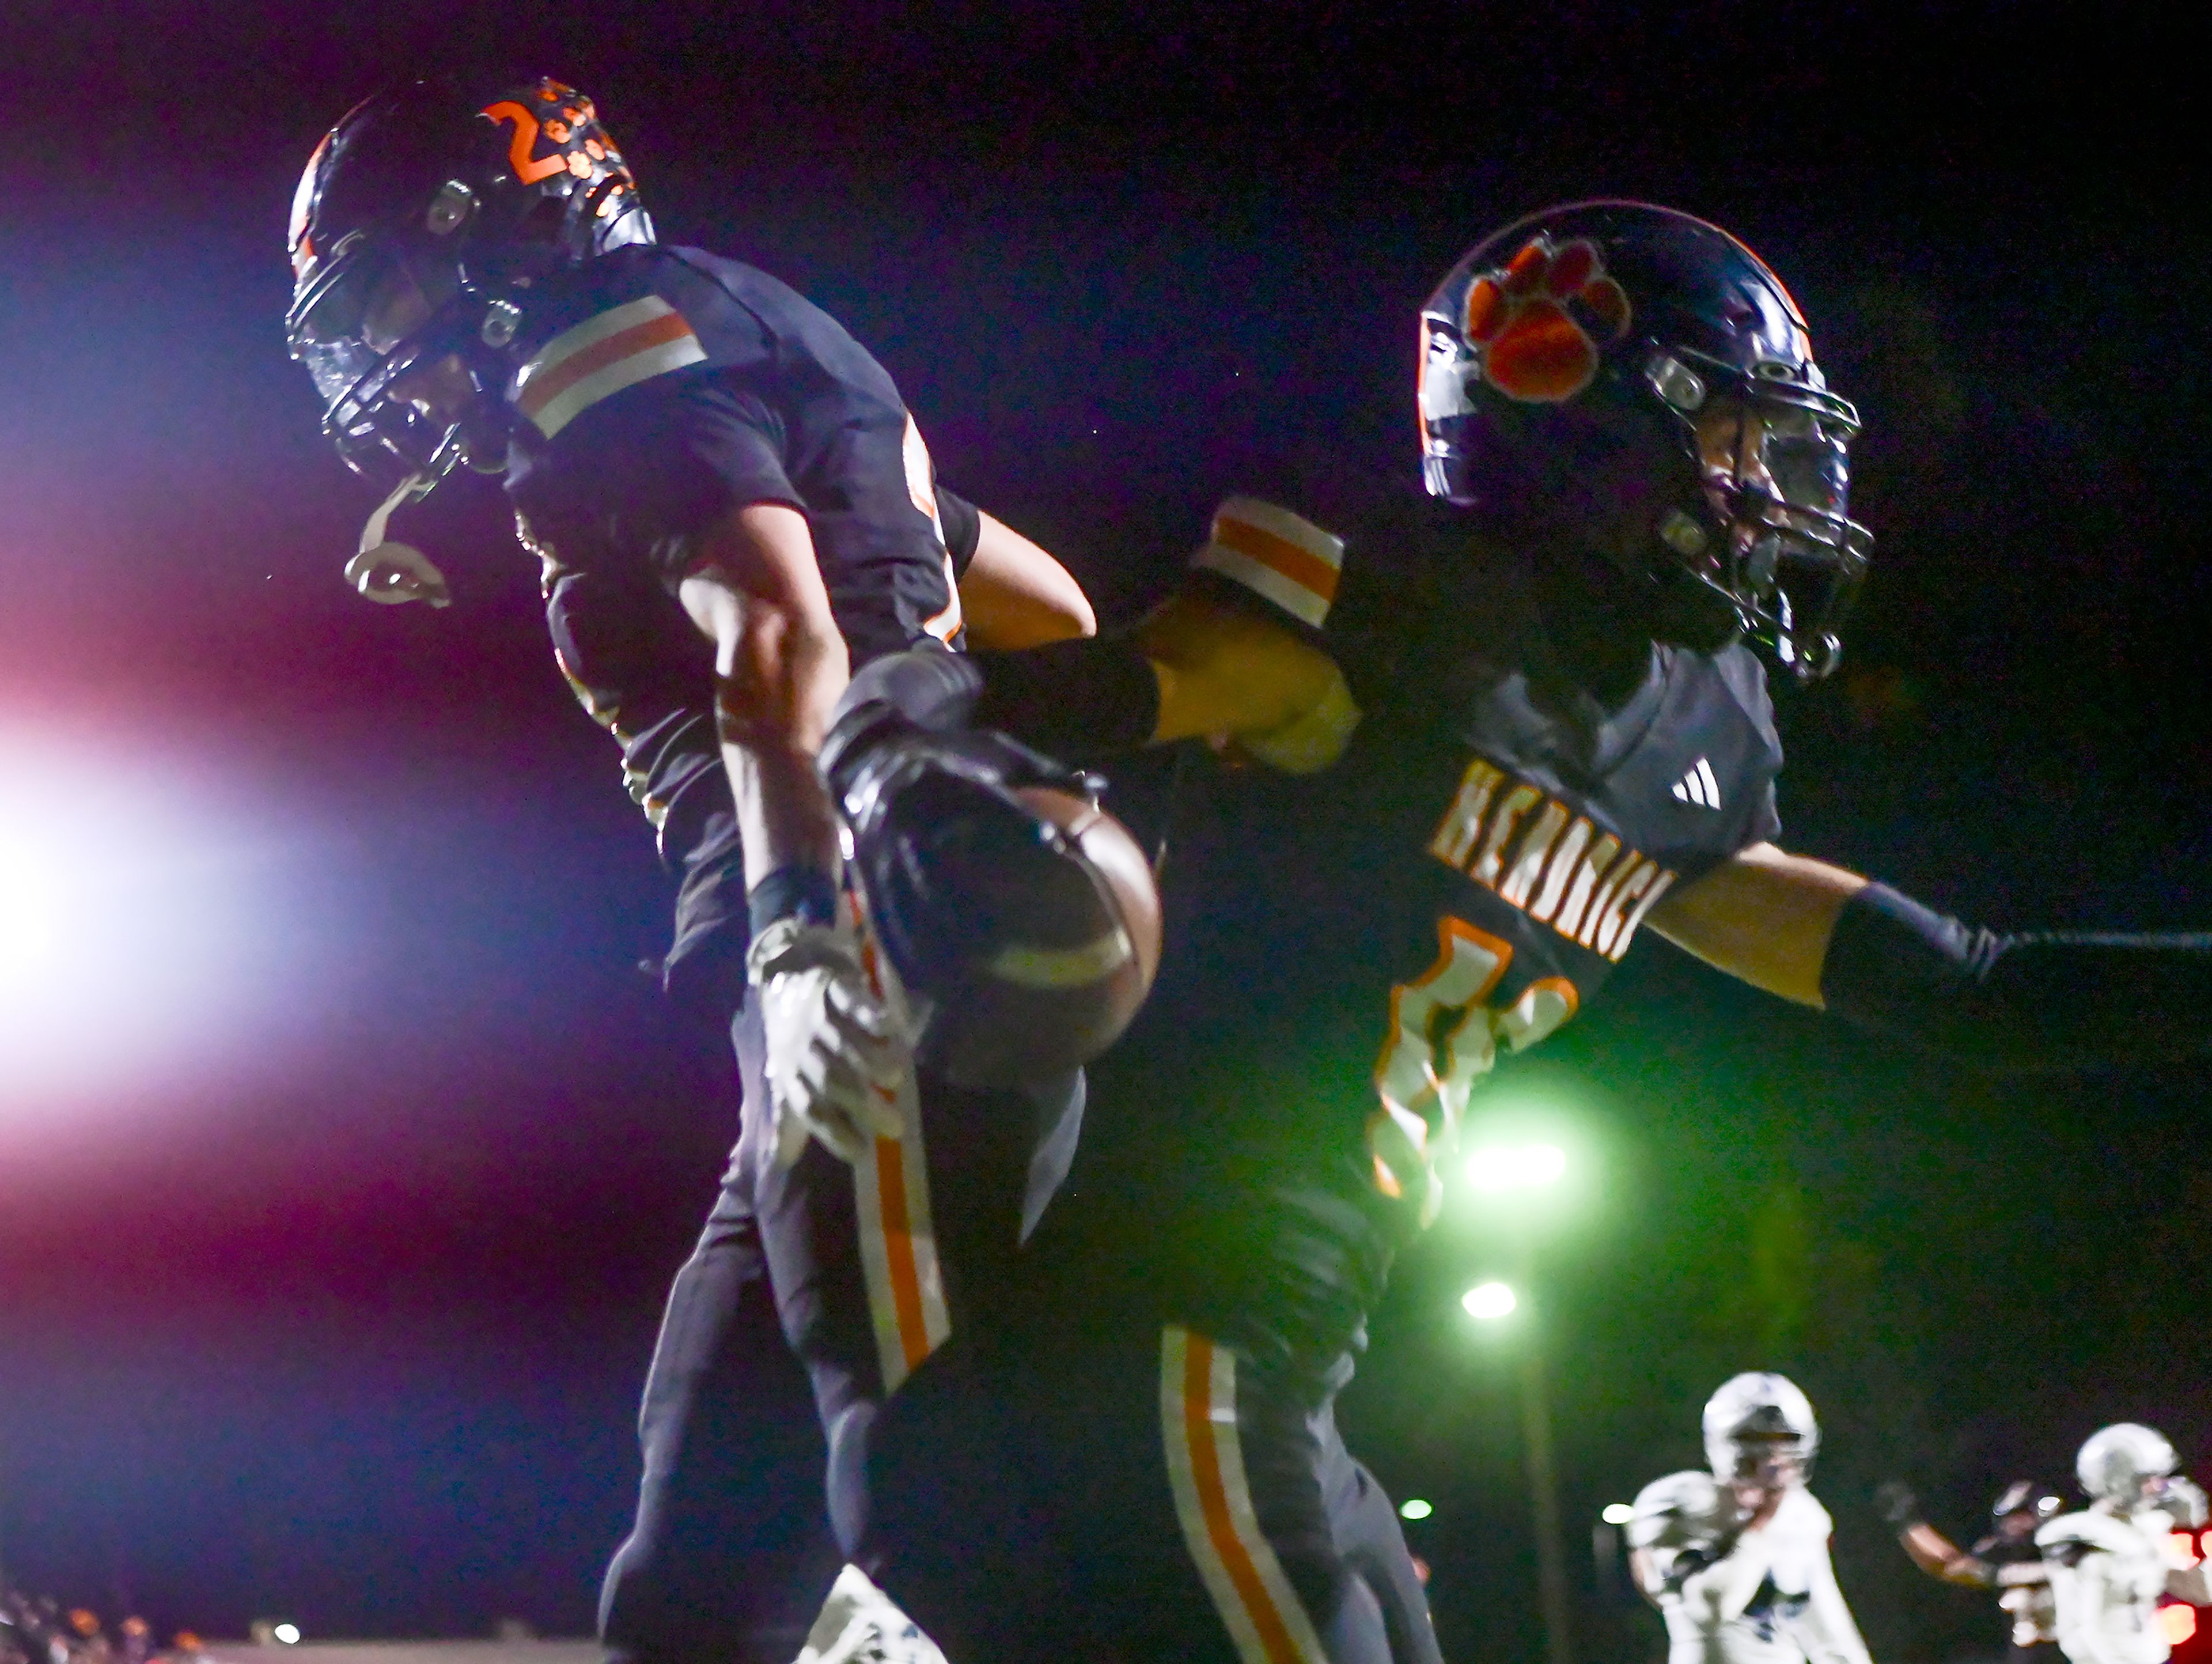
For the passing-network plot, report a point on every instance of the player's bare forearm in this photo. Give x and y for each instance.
(1765, 916)
(1016, 595)
(756, 592)
(1939, 1557)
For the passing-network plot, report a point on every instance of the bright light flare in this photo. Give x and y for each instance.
(1494, 1168)
(1488, 1301)
(30, 909)
(152, 926)
(1414, 1509)
(1617, 1514)
(287, 1633)
(2180, 1622)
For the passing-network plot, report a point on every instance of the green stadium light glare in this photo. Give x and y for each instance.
(1494, 1168)
(1414, 1509)
(1487, 1302)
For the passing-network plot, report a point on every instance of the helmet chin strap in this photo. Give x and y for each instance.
(393, 574)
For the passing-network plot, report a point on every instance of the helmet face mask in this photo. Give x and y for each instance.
(1774, 458)
(421, 221)
(394, 343)
(1759, 1430)
(1634, 381)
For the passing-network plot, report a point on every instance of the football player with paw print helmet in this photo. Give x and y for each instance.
(1531, 708)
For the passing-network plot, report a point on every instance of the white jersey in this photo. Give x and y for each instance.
(1765, 1596)
(2108, 1572)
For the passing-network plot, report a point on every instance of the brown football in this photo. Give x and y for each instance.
(1072, 956)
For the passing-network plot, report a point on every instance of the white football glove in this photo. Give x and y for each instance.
(838, 1051)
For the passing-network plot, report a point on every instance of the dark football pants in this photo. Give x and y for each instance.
(730, 1554)
(875, 1263)
(1130, 1497)
(1365, 1522)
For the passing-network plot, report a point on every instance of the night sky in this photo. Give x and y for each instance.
(345, 1153)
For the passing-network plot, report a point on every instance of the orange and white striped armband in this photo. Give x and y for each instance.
(1275, 554)
(600, 356)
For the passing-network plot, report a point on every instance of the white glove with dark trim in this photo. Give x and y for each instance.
(838, 1049)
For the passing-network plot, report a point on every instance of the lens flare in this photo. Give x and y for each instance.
(1493, 1168)
(1488, 1301)
(30, 908)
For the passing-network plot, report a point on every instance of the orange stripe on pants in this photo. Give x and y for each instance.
(898, 1251)
(1213, 1500)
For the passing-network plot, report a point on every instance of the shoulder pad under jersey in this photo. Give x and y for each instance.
(1680, 1510)
(2071, 1536)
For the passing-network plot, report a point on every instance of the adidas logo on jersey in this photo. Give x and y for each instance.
(1551, 862)
(1699, 787)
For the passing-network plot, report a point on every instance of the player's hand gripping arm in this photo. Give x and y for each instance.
(1829, 938)
(835, 1047)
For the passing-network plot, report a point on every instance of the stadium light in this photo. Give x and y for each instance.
(29, 903)
(287, 1633)
(1414, 1509)
(1495, 1168)
(1488, 1301)
(1617, 1514)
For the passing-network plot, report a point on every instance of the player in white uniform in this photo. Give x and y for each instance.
(1737, 1560)
(2110, 1564)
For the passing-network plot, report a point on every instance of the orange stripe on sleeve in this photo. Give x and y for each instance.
(1279, 555)
(550, 383)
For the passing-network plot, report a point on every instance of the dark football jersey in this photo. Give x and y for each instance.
(671, 387)
(1459, 885)
(2023, 1585)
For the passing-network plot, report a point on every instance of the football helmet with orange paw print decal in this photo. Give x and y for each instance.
(1624, 388)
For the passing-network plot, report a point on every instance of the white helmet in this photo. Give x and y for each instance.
(2119, 1462)
(1762, 1405)
(1682, 1511)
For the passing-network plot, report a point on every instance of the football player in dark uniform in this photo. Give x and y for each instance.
(1555, 730)
(2006, 1560)
(733, 509)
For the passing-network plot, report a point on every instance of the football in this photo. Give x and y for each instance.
(1069, 945)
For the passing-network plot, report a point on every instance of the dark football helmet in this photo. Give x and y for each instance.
(422, 219)
(2025, 1496)
(1641, 382)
